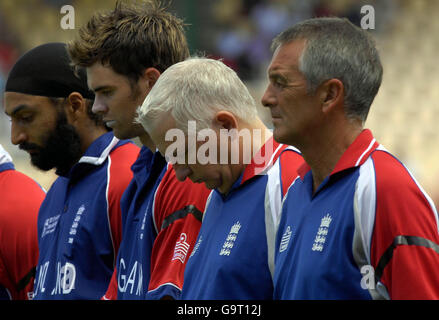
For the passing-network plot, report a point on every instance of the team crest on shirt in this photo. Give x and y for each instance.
(285, 239)
(181, 248)
(230, 240)
(319, 241)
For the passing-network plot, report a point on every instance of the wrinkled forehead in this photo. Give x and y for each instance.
(287, 56)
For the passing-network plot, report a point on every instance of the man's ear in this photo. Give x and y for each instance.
(150, 77)
(331, 95)
(75, 107)
(225, 120)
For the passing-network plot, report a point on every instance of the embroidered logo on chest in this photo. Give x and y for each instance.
(230, 240)
(319, 241)
(50, 225)
(285, 239)
(181, 248)
(75, 224)
(142, 228)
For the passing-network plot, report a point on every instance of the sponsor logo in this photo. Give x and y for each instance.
(181, 248)
(50, 225)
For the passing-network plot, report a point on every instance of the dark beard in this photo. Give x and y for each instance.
(61, 149)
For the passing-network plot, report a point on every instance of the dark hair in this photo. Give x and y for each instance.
(130, 39)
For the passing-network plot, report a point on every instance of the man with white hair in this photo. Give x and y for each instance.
(221, 142)
(21, 198)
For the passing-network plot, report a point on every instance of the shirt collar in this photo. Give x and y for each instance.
(144, 159)
(354, 156)
(147, 163)
(94, 156)
(5, 160)
(98, 151)
(5, 157)
(263, 160)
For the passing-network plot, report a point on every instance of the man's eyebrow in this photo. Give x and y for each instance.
(100, 88)
(17, 109)
(275, 75)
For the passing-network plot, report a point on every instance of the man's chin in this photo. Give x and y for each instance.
(124, 134)
(41, 166)
(281, 137)
(212, 184)
(41, 163)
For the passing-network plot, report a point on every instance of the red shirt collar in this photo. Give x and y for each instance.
(268, 155)
(355, 155)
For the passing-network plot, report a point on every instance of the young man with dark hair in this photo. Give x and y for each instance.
(124, 52)
(79, 228)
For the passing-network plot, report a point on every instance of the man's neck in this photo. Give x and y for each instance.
(90, 136)
(145, 139)
(259, 135)
(87, 137)
(327, 148)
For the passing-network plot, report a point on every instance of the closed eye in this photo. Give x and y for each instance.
(105, 93)
(25, 118)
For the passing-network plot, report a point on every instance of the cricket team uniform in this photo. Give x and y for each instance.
(21, 198)
(163, 217)
(130, 274)
(368, 232)
(79, 223)
(233, 257)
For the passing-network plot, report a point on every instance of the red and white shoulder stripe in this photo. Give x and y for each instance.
(281, 172)
(396, 224)
(119, 175)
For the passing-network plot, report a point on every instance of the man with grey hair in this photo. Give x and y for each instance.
(356, 224)
(221, 141)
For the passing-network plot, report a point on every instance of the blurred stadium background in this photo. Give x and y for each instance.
(404, 116)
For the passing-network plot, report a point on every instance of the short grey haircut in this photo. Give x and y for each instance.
(335, 48)
(196, 89)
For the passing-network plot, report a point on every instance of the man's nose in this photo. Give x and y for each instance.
(268, 99)
(18, 135)
(98, 106)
